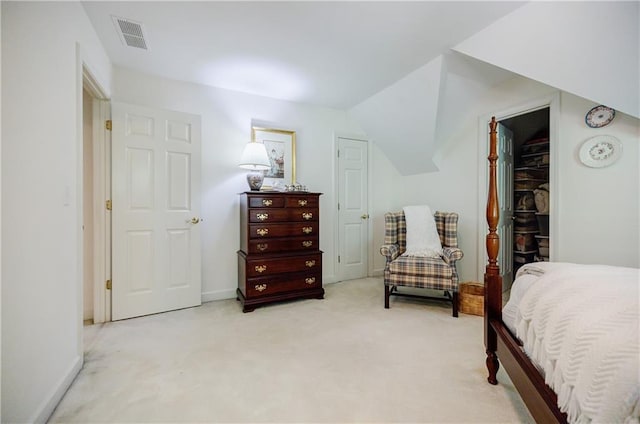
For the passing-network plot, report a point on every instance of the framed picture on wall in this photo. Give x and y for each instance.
(281, 148)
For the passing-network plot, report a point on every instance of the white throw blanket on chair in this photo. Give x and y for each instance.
(422, 234)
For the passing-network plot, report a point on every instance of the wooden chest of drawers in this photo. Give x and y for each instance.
(279, 256)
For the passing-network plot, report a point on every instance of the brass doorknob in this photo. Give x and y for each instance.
(364, 216)
(194, 220)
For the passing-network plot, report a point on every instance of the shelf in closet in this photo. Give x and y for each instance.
(530, 155)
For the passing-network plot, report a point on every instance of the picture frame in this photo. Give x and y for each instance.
(281, 148)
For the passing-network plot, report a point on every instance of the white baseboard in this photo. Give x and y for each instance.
(44, 411)
(378, 272)
(210, 296)
(329, 279)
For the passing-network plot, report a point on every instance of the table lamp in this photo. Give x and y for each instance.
(255, 158)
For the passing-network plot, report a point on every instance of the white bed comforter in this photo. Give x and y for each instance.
(580, 325)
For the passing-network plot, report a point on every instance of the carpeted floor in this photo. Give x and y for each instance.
(342, 359)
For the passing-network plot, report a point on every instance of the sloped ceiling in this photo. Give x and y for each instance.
(329, 53)
(412, 118)
(590, 49)
(401, 119)
(464, 83)
(435, 58)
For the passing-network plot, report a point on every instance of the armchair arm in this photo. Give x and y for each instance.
(451, 254)
(390, 251)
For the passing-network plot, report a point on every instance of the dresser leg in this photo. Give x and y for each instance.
(248, 309)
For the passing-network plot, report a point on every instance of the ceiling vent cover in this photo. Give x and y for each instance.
(131, 33)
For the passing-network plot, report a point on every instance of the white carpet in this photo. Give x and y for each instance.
(341, 359)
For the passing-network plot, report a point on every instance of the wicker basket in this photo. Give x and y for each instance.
(471, 298)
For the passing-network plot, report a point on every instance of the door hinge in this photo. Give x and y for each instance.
(108, 124)
(338, 258)
(108, 205)
(338, 153)
(338, 206)
(108, 285)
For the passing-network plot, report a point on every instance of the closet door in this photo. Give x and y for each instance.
(353, 213)
(505, 226)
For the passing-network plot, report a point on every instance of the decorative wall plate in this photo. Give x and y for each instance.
(599, 116)
(600, 151)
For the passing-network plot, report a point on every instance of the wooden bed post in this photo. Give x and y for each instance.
(539, 398)
(492, 278)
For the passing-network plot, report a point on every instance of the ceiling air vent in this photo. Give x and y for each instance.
(131, 33)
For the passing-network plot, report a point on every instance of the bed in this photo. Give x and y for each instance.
(568, 336)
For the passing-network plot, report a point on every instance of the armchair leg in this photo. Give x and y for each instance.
(386, 296)
(455, 304)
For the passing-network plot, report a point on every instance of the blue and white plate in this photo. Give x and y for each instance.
(599, 116)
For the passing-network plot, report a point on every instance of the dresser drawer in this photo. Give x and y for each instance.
(283, 215)
(266, 286)
(258, 267)
(266, 202)
(259, 231)
(302, 201)
(283, 245)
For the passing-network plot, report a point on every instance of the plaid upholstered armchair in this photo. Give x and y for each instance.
(421, 272)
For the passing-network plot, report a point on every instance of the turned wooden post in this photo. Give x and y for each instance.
(492, 278)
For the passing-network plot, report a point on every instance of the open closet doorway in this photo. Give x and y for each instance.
(524, 178)
(533, 130)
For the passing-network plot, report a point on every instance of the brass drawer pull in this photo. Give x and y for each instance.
(261, 287)
(267, 202)
(310, 264)
(307, 243)
(307, 215)
(307, 230)
(262, 216)
(310, 280)
(302, 202)
(262, 231)
(262, 246)
(261, 268)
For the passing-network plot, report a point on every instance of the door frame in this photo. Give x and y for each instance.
(101, 140)
(336, 230)
(551, 101)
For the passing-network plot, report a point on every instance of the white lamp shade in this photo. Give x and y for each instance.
(255, 157)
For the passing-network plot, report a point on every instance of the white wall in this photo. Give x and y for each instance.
(226, 127)
(386, 184)
(598, 210)
(41, 198)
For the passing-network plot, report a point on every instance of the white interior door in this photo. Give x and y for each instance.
(156, 210)
(505, 199)
(353, 212)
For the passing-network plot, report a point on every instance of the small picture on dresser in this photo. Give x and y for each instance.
(281, 149)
